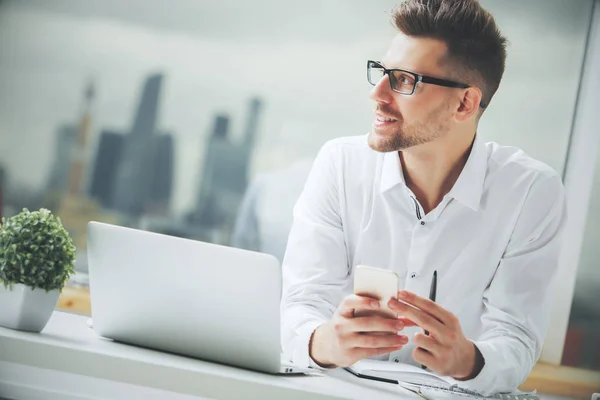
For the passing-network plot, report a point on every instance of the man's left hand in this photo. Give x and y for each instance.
(446, 350)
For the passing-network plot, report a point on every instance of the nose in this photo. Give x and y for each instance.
(381, 92)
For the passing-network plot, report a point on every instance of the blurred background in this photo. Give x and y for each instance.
(200, 119)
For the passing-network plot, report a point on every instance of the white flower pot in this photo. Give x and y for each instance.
(26, 309)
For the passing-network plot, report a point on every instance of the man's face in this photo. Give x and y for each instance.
(418, 118)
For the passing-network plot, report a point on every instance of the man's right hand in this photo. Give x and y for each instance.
(345, 339)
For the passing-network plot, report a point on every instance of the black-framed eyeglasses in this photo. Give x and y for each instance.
(405, 82)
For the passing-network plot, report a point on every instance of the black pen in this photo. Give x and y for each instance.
(432, 291)
(432, 294)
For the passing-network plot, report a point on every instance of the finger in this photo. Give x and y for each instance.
(352, 302)
(407, 322)
(427, 342)
(374, 341)
(424, 357)
(360, 353)
(376, 324)
(429, 306)
(419, 317)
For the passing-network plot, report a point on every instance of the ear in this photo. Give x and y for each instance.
(469, 104)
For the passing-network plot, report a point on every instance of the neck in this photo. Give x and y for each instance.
(431, 170)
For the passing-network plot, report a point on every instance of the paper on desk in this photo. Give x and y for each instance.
(427, 384)
(454, 392)
(399, 371)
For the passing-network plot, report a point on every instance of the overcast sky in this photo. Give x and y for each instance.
(305, 59)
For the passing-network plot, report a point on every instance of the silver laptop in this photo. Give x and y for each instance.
(192, 298)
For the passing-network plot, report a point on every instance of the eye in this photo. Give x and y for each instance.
(406, 79)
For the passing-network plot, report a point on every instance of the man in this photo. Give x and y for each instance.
(422, 192)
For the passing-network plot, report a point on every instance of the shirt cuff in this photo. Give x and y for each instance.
(485, 382)
(301, 356)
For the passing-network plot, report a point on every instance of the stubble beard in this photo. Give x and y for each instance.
(407, 136)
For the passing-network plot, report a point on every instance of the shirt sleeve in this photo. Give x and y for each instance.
(315, 265)
(517, 303)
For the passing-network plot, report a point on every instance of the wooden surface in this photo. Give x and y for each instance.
(563, 381)
(556, 380)
(75, 300)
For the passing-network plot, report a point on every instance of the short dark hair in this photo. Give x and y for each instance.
(476, 47)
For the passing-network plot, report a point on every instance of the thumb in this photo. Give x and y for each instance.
(353, 302)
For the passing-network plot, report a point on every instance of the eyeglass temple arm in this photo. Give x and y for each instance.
(442, 82)
(446, 83)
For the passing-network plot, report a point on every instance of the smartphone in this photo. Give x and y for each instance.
(377, 283)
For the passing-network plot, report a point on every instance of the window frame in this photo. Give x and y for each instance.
(578, 178)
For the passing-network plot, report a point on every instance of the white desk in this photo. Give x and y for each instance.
(67, 360)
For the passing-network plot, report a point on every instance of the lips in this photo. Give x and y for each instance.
(385, 116)
(383, 121)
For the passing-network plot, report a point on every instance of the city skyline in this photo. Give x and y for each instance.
(190, 112)
(314, 87)
(86, 169)
(150, 162)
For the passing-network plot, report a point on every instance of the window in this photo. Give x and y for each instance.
(533, 108)
(163, 118)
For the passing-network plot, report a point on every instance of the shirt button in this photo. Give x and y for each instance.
(396, 360)
(413, 275)
(422, 222)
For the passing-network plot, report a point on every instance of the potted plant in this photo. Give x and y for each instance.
(37, 256)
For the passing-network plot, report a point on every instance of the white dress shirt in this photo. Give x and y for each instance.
(494, 240)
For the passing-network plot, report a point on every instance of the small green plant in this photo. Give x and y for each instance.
(36, 251)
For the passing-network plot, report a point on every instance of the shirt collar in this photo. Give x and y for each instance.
(391, 172)
(468, 187)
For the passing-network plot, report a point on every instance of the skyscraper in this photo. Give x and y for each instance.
(225, 171)
(134, 176)
(252, 127)
(106, 166)
(66, 136)
(79, 155)
(217, 143)
(161, 187)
